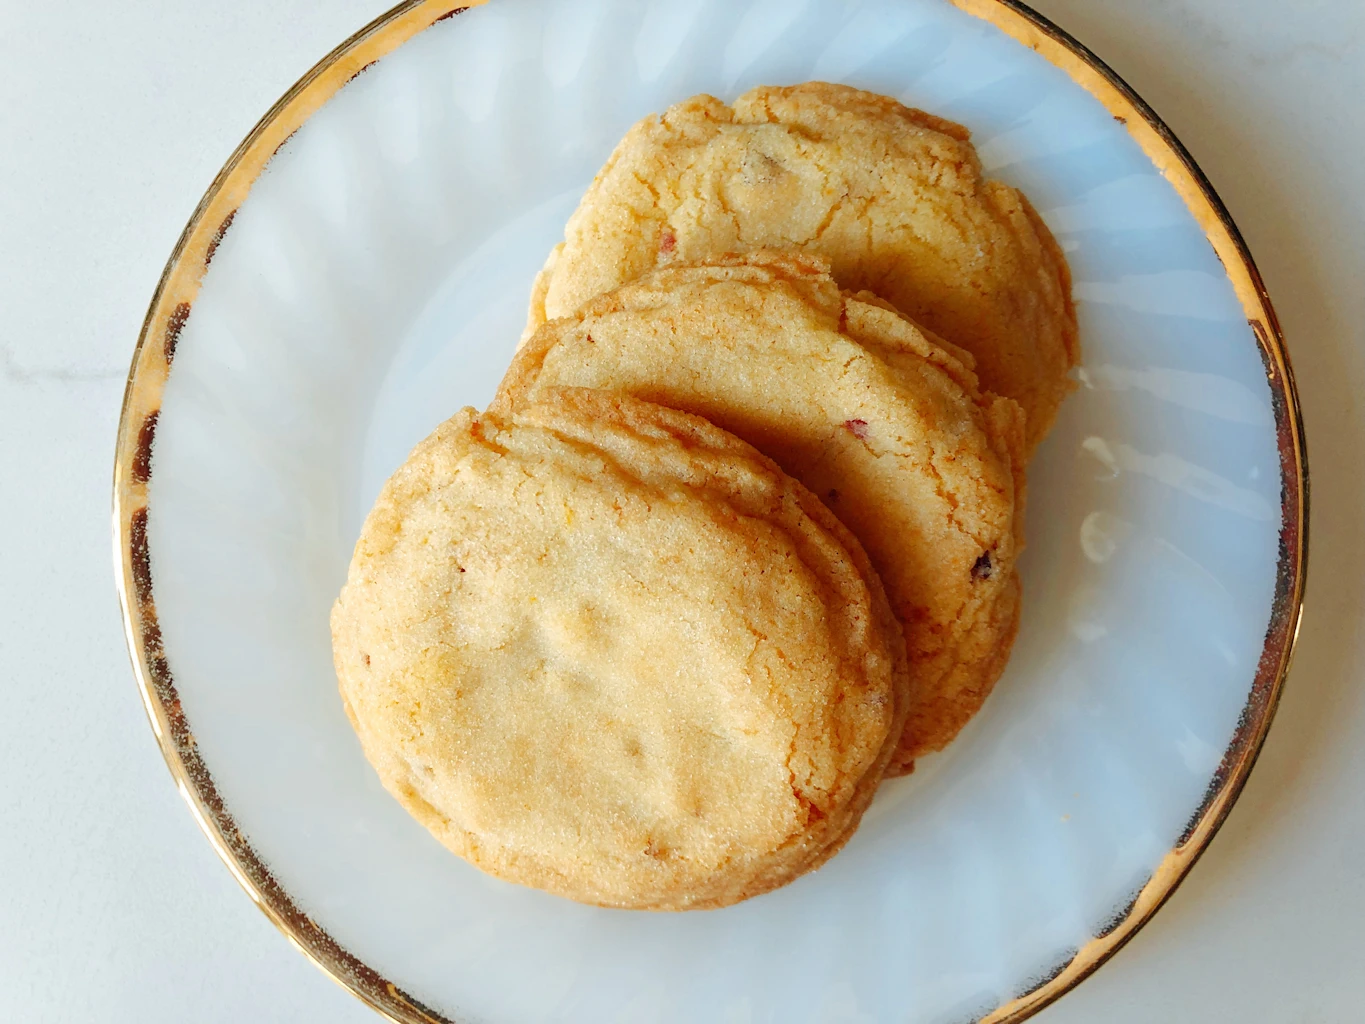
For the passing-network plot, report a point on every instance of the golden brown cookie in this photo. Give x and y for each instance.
(884, 422)
(892, 197)
(606, 649)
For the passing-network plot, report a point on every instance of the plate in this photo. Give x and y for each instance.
(359, 270)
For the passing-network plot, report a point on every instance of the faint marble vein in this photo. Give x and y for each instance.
(1277, 49)
(12, 371)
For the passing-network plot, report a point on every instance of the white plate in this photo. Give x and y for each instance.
(371, 277)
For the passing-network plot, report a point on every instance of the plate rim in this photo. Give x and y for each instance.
(170, 307)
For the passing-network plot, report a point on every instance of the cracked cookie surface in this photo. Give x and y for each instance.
(892, 197)
(884, 422)
(608, 650)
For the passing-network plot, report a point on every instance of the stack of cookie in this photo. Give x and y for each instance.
(737, 536)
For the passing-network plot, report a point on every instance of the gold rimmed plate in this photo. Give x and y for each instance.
(359, 270)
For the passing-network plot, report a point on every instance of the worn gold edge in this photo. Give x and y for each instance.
(386, 33)
(178, 283)
(1169, 155)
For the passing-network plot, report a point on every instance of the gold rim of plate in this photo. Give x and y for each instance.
(170, 308)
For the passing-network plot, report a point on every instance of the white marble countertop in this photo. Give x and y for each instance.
(115, 118)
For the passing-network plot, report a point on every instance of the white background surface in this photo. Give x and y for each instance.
(113, 120)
